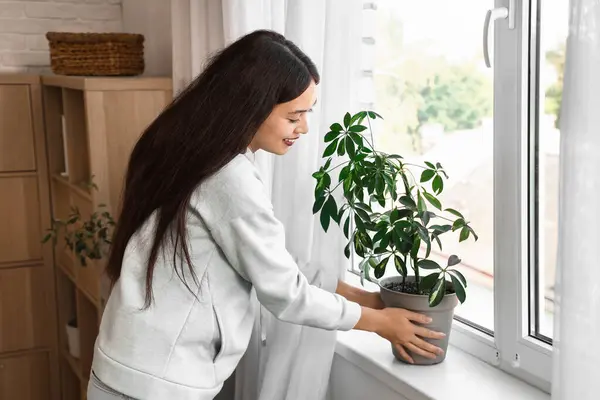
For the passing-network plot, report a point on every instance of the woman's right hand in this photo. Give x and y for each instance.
(396, 325)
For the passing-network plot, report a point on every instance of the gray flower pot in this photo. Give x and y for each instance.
(441, 315)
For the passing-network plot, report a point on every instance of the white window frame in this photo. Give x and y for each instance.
(511, 349)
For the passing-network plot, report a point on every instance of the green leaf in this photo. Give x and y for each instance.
(432, 200)
(350, 147)
(454, 212)
(464, 234)
(429, 281)
(408, 202)
(437, 294)
(458, 289)
(441, 228)
(325, 219)
(430, 165)
(453, 260)
(437, 239)
(394, 215)
(344, 173)
(341, 148)
(330, 149)
(459, 275)
(363, 206)
(379, 235)
(359, 248)
(318, 204)
(421, 205)
(415, 247)
(357, 128)
(438, 184)
(473, 233)
(374, 115)
(427, 175)
(347, 227)
(459, 223)
(362, 214)
(429, 264)
(380, 268)
(336, 127)
(404, 213)
(331, 135)
(425, 217)
(379, 184)
(347, 251)
(360, 225)
(327, 164)
(347, 120)
(46, 238)
(400, 265)
(358, 140)
(359, 117)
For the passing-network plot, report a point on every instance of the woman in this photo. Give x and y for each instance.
(197, 234)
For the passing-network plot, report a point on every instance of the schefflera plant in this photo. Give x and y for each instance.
(388, 215)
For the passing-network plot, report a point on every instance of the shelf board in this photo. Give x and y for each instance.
(66, 272)
(109, 83)
(20, 79)
(95, 302)
(74, 363)
(79, 190)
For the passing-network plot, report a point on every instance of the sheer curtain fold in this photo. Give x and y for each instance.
(577, 321)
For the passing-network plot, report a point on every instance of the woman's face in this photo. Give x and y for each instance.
(285, 124)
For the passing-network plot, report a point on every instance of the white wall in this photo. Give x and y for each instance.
(349, 382)
(151, 18)
(23, 25)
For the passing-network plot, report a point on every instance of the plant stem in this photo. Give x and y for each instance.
(337, 166)
(371, 132)
(336, 186)
(416, 269)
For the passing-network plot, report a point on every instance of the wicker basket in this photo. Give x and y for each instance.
(96, 54)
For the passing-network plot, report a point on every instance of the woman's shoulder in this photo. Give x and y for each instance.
(234, 190)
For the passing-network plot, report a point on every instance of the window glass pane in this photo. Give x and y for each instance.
(552, 35)
(436, 96)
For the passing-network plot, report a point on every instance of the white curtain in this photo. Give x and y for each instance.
(577, 326)
(285, 361)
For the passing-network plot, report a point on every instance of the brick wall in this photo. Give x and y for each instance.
(24, 23)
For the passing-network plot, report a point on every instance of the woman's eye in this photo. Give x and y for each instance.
(293, 121)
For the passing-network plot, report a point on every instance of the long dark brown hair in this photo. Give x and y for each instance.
(212, 121)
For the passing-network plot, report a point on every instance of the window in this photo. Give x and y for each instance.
(545, 94)
(495, 131)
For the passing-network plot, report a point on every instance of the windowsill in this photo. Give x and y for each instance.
(459, 376)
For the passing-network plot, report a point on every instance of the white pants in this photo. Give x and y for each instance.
(99, 391)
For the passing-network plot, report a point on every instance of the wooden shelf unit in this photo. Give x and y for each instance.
(100, 119)
(28, 340)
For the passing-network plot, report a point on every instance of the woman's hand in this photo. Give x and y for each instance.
(396, 325)
(404, 335)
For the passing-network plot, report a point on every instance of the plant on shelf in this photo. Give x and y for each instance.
(388, 213)
(88, 239)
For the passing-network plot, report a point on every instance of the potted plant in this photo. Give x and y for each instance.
(88, 239)
(388, 212)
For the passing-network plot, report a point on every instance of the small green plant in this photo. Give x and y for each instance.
(87, 239)
(387, 213)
